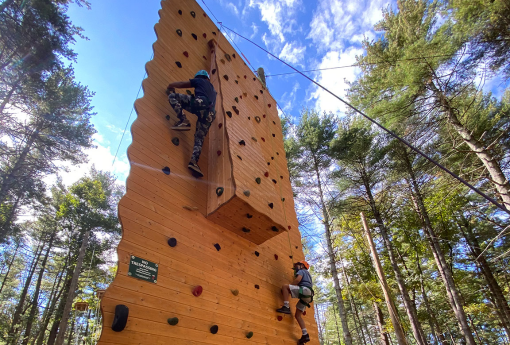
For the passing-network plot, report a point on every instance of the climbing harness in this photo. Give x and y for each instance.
(302, 296)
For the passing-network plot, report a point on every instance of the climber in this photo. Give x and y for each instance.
(202, 104)
(300, 288)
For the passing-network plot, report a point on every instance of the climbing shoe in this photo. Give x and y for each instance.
(304, 339)
(284, 310)
(195, 169)
(182, 126)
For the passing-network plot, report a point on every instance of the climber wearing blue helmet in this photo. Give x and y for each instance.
(201, 104)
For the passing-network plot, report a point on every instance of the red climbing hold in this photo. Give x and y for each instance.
(197, 291)
(185, 54)
(269, 105)
(290, 227)
(205, 35)
(264, 116)
(280, 318)
(304, 313)
(219, 153)
(276, 257)
(264, 140)
(205, 15)
(220, 125)
(204, 57)
(244, 77)
(266, 174)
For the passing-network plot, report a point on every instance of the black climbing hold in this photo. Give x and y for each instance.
(246, 192)
(194, 36)
(172, 242)
(261, 92)
(274, 135)
(274, 228)
(272, 158)
(189, 92)
(246, 230)
(283, 199)
(214, 329)
(167, 117)
(121, 317)
(193, 14)
(228, 57)
(178, 64)
(236, 81)
(249, 216)
(277, 154)
(270, 205)
(274, 123)
(173, 321)
(257, 253)
(180, 12)
(236, 99)
(249, 118)
(249, 335)
(274, 181)
(290, 256)
(175, 141)
(234, 55)
(256, 97)
(179, 32)
(258, 180)
(281, 177)
(254, 79)
(239, 157)
(257, 118)
(214, 33)
(268, 163)
(217, 246)
(213, 71)
(242, 143)
(296, 247)
(226, 77)
(235, 109)
(229, 114)
(257, 286)
(166, 170)
(219, 191)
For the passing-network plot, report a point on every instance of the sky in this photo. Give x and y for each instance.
(308, 34)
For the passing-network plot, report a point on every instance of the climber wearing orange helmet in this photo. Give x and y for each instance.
(300, 288)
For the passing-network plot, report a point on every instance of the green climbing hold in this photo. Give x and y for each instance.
(254, 139)
(175, 141)
(228, 57)
(249, 335)
(258, 180)
(173, 321)
(189, 92)
(235, 292)
(219, 191)
(246, 192)
(236, 99)
(257, 118)
(193, 14)
(179, 32)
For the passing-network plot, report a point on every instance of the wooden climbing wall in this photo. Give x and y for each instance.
(241, 272)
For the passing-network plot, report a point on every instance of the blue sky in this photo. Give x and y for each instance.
(306, 34)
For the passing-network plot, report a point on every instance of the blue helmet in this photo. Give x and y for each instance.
(203, 73)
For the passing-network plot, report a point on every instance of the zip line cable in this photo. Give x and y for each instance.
(391, 133)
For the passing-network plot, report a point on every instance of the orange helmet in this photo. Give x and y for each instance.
(304, 263)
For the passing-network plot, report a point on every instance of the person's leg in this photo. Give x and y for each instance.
(300, 308)
(287, 293)
(203, 126)
(299, 319)
(180, 102)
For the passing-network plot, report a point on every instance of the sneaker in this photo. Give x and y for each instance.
(182, 126)
(284, 310)
(304, 339)
(195, 169)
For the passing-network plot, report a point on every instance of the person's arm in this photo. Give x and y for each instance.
(297, 280)
(179, 85)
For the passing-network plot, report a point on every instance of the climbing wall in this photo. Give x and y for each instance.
(217, 249)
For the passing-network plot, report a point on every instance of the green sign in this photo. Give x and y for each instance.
(143, 269)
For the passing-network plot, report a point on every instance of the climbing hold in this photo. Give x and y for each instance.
(254, 79)
(264, 140)
(244, 77)
(304, 313)
(256, 97)
(204, 35)
(189, 92)
(220, 125)
(228, 57)
(236, 99)
(266, 174)
(193, 14)
(172, 242)
(296, 247)
(242, 143)
(277, 153)
(190, 208)
(239, 157)
(175, 141)
(172, 321)
(281, 177)
(229, 114)
(226, 77)
(249, 118)
(185, 53)
(218, 153)
(213, 71)
(219, 191)
(246, 230)
(197, 291)
(258, 180)
(264, 116)
(178, 64)
(217, 246)
(261, 92)
(274, 228)
(274, 123)
(194, 36)
(245, 94)
(272, 158)
(204, 57)
(257, 118)
(121, 317)
(214, 33)
(235, 109)
(235, 292)
(274, 135)
(280, 318)
(222, 61)
(257, 253)
(166, 170)
(270, 205)
(276, 257)
(180, 12)
(246, 192)
(249, 216)
(269, 105)
(249, 335)
(290, 256)
(268, 163)
(234, 55)
(290, 227)
(214, 329)
(274, 181)
(257, 286)
(167, 117)
(236, 81)
(283, 199)
(254, 139)
(205, 15)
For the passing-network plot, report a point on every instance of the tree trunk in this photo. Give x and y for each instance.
(19, 308)
(60, 309)
(71, 330)
(86, 328)
(380, 325)
(397, 326)
(497, 177)
(35, 304)
(332, 261)
(336, 324)
(409, 306)
(72, 290)
(321, 338)
(444, 269)
(9, 267)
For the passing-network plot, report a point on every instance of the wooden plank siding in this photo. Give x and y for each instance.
(157, 206)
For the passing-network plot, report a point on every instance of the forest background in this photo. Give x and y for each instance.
(436, 268)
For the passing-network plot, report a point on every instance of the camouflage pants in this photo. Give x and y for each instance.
(199, 107)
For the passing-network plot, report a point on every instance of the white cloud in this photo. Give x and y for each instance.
(277, 14)
(233, 8)
(255, 29)
(292, 53)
